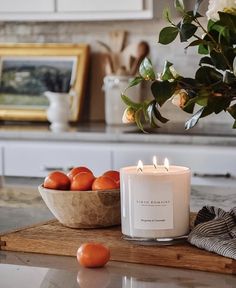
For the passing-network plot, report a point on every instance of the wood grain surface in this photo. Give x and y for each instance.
(53, 238)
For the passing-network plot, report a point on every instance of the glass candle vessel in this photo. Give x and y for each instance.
(155, 202)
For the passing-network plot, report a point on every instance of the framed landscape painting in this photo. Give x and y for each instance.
(29, 70)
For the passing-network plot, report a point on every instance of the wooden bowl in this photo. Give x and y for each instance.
(83, 209)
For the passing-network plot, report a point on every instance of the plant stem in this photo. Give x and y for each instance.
(218, 46)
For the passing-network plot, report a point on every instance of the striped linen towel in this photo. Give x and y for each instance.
(215, 230)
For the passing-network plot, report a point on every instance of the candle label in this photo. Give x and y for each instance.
(153, 207)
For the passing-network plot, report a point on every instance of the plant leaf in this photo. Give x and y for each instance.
(234, 66)
(130, 103)
(189, 17)
(162, 90)
(208, 75)
(146, 70)
(203, 49)
(186, 31)
(229, 78)
(194, 43)
(228, 20)
(166, 74)
(135, 81)
(196, 6)
(168, 35)
(189, 107)
(206, 60)
(194, 119)
(138, 120)
(232, 111)
(179, 5)
(218, 60)
(234, 125)
(166, 14)
(159, 116)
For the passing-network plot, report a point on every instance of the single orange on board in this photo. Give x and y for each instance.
(93, 255)
(74, 171)
(114, 175)
(82, 181)
(57, 180)
(104, 183)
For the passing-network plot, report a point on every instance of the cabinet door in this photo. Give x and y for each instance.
(92, 10)
(11, 6)
(36, 160)
(209, 165)
(98, 5)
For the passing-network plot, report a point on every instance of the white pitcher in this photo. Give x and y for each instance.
(58, 112)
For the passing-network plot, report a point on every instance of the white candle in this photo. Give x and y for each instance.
(155, 201)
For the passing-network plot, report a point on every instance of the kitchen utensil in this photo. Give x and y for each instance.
(105, 46)
(109, 67)
(128, 54)
(117, 40)
(142, 52)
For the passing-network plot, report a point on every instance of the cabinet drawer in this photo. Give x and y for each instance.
(36, 160)
(11, 6)
(98, 5)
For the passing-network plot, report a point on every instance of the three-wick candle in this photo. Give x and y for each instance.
(155, 200)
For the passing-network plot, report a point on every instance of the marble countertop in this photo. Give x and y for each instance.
(21, 205)
(48, 271)
(207, 134)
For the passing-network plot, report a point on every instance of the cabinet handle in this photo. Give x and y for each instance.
(213, 175)
(53, 168)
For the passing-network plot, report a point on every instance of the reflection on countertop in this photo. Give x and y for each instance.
(44, 271)
(174, 133)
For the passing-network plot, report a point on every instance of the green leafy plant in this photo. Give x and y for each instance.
(213, 89)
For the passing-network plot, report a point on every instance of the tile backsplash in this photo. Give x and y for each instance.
(89, 32)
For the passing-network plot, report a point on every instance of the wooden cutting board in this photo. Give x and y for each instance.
(53, 238)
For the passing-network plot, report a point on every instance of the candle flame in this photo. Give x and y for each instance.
(166, 164)
(140, 166)
(154, 161)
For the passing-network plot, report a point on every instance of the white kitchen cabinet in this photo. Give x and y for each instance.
(26, 6)
(99, 5)
(37, 159)
(209, 165)
(75, 10)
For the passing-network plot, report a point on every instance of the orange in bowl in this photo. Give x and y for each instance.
(82, 181)
(76, 170)
(104, 183)
(57, 180)
(114, 175)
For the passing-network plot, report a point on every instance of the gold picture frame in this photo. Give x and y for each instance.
(11, 57)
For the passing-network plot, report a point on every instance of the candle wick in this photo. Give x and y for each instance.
(166, 169)
(155, 166)
(140, 170)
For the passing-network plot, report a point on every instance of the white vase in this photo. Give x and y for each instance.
(113, 86)
(58, 112)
